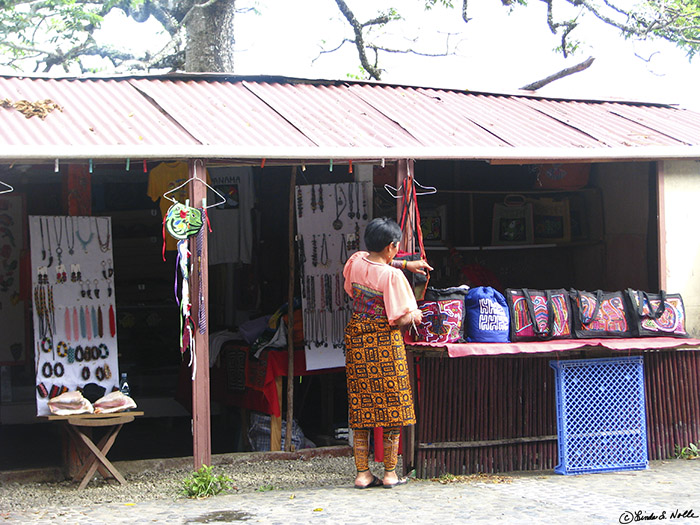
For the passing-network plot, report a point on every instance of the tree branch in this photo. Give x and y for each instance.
(359, 41)
(561, 74)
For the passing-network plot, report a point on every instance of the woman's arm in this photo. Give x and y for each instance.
(419, 266)
(413, 317)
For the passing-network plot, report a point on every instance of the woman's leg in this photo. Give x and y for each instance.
(391, 454)
(360, 445)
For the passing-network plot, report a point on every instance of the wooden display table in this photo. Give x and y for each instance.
(88, 456)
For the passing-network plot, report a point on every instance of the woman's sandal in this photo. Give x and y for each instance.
(376, 482)
(401, 481)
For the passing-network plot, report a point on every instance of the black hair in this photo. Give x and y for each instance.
(381, 232)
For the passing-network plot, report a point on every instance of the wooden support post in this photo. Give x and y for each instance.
(290, 317)
(276, 421)
(201, 410)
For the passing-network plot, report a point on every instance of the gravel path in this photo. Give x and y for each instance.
(155, 483)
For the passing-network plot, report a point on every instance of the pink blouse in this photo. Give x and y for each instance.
(377, 288)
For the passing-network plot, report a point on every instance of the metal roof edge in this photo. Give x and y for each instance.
(232, 77)
(10, 154)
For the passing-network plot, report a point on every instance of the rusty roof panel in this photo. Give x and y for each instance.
(681, 124)
(94, 112)
(597, 121)
(516, 123)
(222, 116)
(430, 119)
(221, 113)
(330, 116)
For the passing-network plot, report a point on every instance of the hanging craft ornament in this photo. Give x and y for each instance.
(181, 222)
(337, 223)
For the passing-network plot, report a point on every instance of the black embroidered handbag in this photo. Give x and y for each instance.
(656, 315)
(599, 314)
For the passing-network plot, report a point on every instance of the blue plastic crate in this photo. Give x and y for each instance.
(601, 415)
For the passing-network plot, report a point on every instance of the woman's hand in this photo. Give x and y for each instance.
(414, 317)
(420, 266)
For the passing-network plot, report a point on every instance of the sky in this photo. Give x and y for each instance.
(493, 52)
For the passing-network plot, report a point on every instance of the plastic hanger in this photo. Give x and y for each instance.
(7, 188)
(222, 200)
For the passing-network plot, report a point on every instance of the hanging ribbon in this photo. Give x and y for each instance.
(66, 323)
(112, 322)
(82, 323)
(100, 330)
(93, 316)
(88, 328)
(76, 326)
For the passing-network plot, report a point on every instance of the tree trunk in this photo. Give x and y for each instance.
(210, 38)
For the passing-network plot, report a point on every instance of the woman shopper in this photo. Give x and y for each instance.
(379, 390)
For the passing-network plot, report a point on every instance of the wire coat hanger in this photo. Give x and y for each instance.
(429, 190)
(7, 188)
(222, 200)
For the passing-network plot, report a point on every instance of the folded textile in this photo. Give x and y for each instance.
(70, 403)
(114, 402)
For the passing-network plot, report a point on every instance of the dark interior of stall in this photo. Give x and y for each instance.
(611, 220)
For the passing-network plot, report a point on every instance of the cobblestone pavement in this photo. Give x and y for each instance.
(667, 492)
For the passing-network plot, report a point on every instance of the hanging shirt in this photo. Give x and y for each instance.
(231, 239)
(163, 178)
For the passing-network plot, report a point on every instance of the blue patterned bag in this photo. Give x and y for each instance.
(487, 317)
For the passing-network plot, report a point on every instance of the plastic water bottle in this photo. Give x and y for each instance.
(124, 385)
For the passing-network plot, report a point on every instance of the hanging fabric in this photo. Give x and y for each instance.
(410, 210)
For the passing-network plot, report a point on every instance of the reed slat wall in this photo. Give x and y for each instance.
(468, 400)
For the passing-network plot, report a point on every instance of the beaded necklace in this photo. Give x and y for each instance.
(104, 246)
(82, 241)
(70, 241)
(59, 237)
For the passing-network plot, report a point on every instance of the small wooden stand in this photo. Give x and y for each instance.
(89, 457)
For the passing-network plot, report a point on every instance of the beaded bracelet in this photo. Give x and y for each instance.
(62, 349)
(47, 370)
(405, 263)
(104, 351)
(85, 373)
(58, 369)
(108, 371)
(46, 344)
(99, 373)
(87, 354)
(79, 353)
(95, 353)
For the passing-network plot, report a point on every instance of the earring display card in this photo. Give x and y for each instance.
(74, 310)
(331, 219)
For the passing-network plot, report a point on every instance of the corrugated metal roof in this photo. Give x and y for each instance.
(210, 116)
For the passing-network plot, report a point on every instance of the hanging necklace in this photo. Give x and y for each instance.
(337, 223)
(300, 202)
(351, 211)
(48, 240)
(313, 198)
(82, 241)
(320, 198)
(324, 251)
(314, 251)
(302, 259)
(70, 241)
(41, 230)
(59, 237)
(343, 250)
(364, 202)
(104, 246)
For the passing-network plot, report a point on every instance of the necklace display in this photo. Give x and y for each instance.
(104, 246)
(337, 223)
(59, 237)
(324, 251)
(70, 240)
(84, 242)
(48, 240)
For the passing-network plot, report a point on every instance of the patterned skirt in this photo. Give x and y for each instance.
(379, 390)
